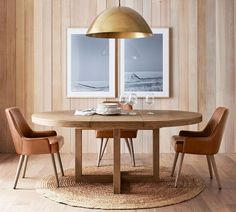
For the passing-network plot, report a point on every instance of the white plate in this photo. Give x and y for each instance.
(108, 105)
(114, 112)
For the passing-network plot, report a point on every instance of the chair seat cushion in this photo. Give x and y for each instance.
(56, 142)
(123, 134)
(177, 143)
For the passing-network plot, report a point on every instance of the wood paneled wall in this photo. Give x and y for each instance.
(7, 68)
(202, 61)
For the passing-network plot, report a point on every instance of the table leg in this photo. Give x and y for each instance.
(78, 155)
(116, 163)
(156, 154)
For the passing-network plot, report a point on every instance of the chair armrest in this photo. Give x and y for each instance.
(192, 133)
(198, 145)
(38, 134)
(32, 146)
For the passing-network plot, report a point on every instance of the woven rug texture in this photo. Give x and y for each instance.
(134, 195)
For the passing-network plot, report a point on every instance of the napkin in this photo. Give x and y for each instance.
(87, 112)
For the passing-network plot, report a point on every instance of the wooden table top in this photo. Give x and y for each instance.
(161, 118)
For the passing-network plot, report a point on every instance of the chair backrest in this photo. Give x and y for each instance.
(18, 127)
(215, 127)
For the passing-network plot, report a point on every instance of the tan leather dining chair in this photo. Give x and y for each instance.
(28, 142)
(206, 142)
(128, 135)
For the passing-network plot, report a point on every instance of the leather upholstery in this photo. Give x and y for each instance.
(27, 141)
(123, 133)
(205, 142)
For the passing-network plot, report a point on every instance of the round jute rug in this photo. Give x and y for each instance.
(134, 195)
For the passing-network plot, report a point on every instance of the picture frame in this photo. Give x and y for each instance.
(84, 55)
(144, 65)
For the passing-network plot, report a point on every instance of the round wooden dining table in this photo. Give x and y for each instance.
(141, 121)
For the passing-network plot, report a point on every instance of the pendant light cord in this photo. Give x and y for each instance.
(119, 3)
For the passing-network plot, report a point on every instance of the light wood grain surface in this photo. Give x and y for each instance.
(202, 61)
(160, 118)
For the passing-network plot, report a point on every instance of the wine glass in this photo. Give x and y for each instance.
(149, 100)
(133, 100)
(123, 100)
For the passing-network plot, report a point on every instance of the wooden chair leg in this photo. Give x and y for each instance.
(209, 165)
(129, 149)
(25, 165)
(102, 150)
(174, 163)
(179, 171)
(60, 163)
(132, 150)
(55, 168)
(21, 160)
(215, 171)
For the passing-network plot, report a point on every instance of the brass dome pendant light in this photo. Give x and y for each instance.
(119, 22)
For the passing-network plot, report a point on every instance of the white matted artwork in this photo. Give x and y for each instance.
(144, 64)
(90, 65)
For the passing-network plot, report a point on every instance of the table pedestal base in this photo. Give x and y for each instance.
(117, 176)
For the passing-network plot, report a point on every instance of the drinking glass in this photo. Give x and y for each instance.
(149, 101)
(123, 100)
(133, 100)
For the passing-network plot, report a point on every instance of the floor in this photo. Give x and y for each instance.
(25, 198)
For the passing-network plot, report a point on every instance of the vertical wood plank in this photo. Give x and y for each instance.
(183, 55)
(234, 75)
(112, 3)
(3, 74)
(147, 11)
(207, 61)
(156, 154)
(42, 57)
(165, 13)
(210, 54)
(29, 59)
(47, 55)
(116, 162)
(38, 58)
(57, 17)
(83, 12)
(193, 76)
(156, 13)
(192, 68)
(11, 65)
(101, 6)
(201, 57)
(220, 55)
(78, 154)
(174, 53)
(229, 72)
(20, 55)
